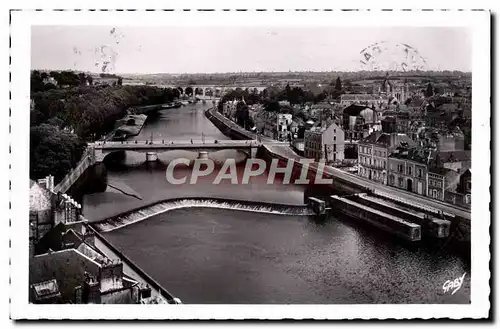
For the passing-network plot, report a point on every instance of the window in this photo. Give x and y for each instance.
(468, 185)
(334, 138)
(400, 181)
(409, 170)
(391, 179)
(384, 164)
(434, 194)
(419, 173)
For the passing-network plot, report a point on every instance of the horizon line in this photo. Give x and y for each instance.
(249, 72)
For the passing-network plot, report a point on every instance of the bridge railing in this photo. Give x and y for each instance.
(87, 159)
(178, 143)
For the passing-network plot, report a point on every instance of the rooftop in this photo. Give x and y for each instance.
(454, 156)
(388, 140)
(355, 110)
(40, 197)
(416, 154)
(46, 289)
(360, 97)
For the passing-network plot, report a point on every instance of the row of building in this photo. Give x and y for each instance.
(66, 265)
(398, 138)
(439, 169)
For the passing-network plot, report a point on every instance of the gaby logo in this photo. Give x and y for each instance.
(455, 284)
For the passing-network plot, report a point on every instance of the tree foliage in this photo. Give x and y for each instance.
(338, 84)
(429, 92)
(63, 119)
(53, 151)
(91, 111)
(242, 115)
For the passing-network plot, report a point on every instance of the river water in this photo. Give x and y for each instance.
(233, 253)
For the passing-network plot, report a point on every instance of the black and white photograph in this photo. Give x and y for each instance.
(300, 164)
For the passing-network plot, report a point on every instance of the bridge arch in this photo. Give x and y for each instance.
(199, 91)
(209, 91)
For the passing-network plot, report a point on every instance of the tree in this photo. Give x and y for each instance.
(242, 115)
(272, 106)
(83, 78)
(176, 93)
(347, 85)
(265, 94)
(36, 82)
(338, 84)
(120, 81)
(53, 152)
(320, 97)
(429, 91)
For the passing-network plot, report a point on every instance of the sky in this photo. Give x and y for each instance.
(247, 49)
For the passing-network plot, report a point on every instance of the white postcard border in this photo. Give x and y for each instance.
(478, 21)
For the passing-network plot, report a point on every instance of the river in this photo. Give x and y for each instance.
(228, 254)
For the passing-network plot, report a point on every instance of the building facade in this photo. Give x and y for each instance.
(372, 161)
(282, 125)
(322, 143)
(436, 183)
(374, 150)
(408, 169)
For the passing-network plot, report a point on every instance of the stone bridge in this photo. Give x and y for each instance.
(96, 152)
(213, 90)
(152, 147)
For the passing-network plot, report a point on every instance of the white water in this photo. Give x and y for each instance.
(142, 214)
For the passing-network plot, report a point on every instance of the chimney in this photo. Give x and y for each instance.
(91, 293)
(51, 183)
(144, 292)
(393, 139)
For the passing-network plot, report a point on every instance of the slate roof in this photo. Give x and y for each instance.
(450, 107)
(454, 156)
(355, 110)
(384, 139)
(415, 154)
(360, 97)
(417, 102)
